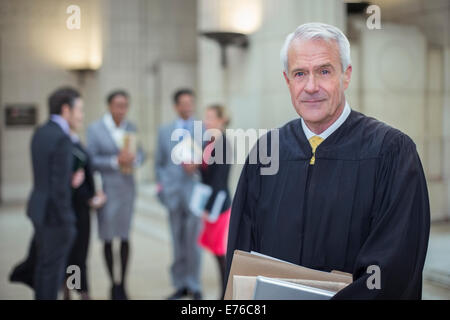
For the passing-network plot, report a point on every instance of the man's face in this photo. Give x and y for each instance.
(185, 106)
(118, 108)
(76, 115)
(316, 80)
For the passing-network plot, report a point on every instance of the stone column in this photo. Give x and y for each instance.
(446, 127)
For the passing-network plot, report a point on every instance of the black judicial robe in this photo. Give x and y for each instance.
(364, 202)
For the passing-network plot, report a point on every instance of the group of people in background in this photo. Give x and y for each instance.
(72, 179)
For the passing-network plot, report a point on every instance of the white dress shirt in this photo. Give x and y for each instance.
(344, 115)
(117, 132)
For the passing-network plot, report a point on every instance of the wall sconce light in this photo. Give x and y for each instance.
(356, 7)
(225, 39)
(84, 57)
(229, 22)
(81, 74)
(80, 50)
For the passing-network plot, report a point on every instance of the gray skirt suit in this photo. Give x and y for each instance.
(114, 218)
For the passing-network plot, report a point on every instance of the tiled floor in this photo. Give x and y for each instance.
(437, 265)
(149, 261)
(151, 255)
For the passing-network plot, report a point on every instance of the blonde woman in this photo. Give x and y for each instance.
(215, 174)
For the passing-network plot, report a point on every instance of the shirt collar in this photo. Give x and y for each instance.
(60, 121)
(344, 115)
(181, 122)
(74, 137)
(109, 121)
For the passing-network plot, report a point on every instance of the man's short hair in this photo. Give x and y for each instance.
(116, 93)
(60, 97)
(180, 92)
(317, 30)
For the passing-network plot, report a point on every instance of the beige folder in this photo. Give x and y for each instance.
(130, 144)
(247, 264)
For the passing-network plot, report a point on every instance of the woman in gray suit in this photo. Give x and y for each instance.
(109, 143)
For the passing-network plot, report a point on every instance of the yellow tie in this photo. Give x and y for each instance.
(314, 141)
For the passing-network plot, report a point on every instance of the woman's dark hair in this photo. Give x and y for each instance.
(115, 93)
(60, 97)
(179, 93)
(221, 113)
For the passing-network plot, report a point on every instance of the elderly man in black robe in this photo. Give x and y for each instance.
(350, 192)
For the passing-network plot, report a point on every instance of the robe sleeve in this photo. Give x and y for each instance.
(400, 224)
(241, 235)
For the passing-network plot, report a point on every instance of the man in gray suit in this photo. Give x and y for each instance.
(108, 143)
(175, 183)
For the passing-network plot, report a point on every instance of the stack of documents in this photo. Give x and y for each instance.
(187, 151)
(254, 276)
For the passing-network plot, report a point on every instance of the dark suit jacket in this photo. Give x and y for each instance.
(86, 190)
(50, 200)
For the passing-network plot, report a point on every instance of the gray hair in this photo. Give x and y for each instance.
(317, 30)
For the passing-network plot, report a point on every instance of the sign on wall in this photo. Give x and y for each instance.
(20, 115)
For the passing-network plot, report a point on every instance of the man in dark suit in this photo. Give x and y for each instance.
(49, 206)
